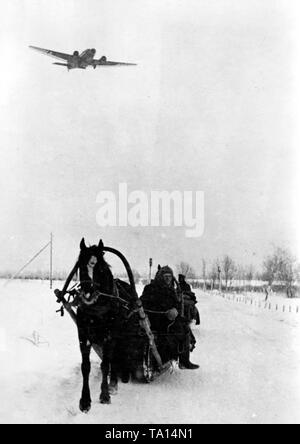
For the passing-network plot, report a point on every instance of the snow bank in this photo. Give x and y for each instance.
(249, 357)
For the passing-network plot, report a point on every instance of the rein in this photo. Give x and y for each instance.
(97, 294)
(156, 312)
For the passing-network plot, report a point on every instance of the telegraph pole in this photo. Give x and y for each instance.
(150, 269)
(51, 260)
(28, 263)
(220, 279)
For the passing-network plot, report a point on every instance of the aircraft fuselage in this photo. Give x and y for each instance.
(83, 60)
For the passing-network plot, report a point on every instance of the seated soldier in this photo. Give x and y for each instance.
(185, 287)
(190, 301)
(163, 305)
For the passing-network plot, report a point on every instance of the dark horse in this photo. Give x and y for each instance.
(111, 319)
(100, 316)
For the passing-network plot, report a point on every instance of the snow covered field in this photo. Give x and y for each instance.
(249, 357)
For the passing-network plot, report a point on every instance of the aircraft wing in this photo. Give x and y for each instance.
(109, 63)
(55, 54)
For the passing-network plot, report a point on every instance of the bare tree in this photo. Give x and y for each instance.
(229, 269)
(214, 273)
(288, 270)
(244, 275)
(204, 273)
(186, 269)
(249, 275)
(271, 267)
(240, 275)
(282, 266)
(250, 272)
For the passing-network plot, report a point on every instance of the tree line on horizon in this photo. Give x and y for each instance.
(280, 271)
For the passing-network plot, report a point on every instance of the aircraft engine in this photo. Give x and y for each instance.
(103, 59)
(76, 53)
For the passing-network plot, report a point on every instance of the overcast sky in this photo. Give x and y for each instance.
(211, 106)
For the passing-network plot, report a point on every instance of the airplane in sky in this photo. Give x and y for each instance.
(81, 61)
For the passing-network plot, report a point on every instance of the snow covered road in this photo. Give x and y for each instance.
(249, 357)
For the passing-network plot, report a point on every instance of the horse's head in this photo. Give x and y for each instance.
(90, 256)
(93, 267)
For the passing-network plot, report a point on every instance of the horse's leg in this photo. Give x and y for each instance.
(85, 401)
(113, 383)
(105, 365)
(114, 367)
(124, 361)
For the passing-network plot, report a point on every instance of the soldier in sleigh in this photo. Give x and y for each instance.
(169, 311)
